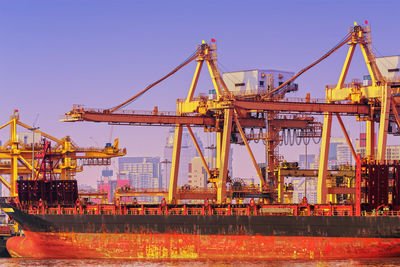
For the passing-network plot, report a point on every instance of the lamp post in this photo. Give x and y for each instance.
(33, 129)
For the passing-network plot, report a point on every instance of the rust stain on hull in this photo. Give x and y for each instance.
(186, 246)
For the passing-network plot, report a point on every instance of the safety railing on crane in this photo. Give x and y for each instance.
(286, 99)
(357, 83)
(155, 111)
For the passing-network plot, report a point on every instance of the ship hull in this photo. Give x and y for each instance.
(204, 236)
(185, 246)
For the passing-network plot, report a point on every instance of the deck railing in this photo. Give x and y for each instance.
(251, 209)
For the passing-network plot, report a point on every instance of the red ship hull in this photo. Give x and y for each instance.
(186, 246)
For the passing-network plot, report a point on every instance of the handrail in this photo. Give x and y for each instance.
(251, 209)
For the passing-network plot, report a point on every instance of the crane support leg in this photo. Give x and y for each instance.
(218, 77)
(346, 136)
(219, 145)
(358, 185)
(26, 163)
(323, 160)
(5, 183)
(199, 150)
(281, 179)
(395, 113)
(4, 125)
(226, 141)
(14, 176)
(346, 65)
(384, 123)
(371, 64)
(370, 136)
(173, 182)
(270, 145)
(194, 81)
(214, 80)
(262, 182)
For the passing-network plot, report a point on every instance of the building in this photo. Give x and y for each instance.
(315, 164)
(344, 156)
(303, 186)
(302, 161)
(392, 152)
(339, 153)
(29, 137)
(257, 81)
(389, 67)
(109, 186)
(188, 151)
(197, 174)
(86, 188)
(141, 172)
(333, 148)
(361, 145)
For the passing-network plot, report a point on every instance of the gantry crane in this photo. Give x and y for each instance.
(22, 159)
(215, 115)
(375, 102)
(381, 95)
(231, 114)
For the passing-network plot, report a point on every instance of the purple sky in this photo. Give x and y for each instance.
(57, 53)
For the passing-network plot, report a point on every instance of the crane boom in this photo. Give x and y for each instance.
(187, 61)
(330, 52)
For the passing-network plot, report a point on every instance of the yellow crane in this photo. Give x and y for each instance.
(221, 115)
(19, 159)
(381, 95)
(234, 114)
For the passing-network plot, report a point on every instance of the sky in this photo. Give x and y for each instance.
(99, 53)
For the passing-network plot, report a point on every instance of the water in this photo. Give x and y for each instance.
(101, 262)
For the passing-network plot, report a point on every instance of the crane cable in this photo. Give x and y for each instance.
(327, 54)
(133, 98)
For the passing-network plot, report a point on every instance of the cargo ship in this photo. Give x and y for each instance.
(74, 229)
(57, 224)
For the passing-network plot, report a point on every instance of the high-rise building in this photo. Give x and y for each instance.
(302, 161)
(188, 151)
(197, 174)
(392, 152)
(303, 186)
(142, 172)
(29, 137)
(339, 153)
(315, 164)
(109, 187)
(344, 156)
(333, 147)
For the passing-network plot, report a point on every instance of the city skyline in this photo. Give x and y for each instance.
(108, 52)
